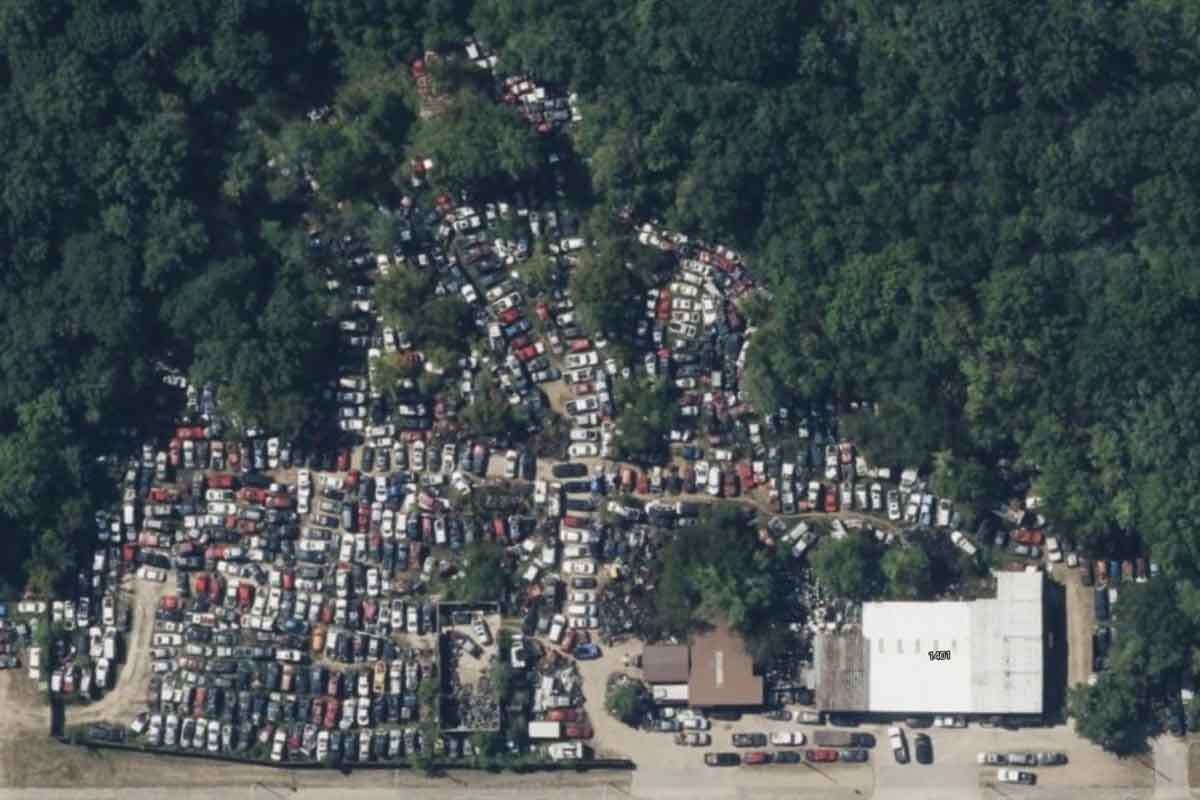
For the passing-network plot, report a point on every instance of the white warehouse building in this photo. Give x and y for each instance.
(974, 657)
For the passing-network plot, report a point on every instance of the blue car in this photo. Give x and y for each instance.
(586, 652)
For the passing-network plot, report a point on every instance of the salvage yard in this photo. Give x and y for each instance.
(509, 487)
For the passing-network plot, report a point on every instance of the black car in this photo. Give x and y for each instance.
(722, 759)
(861, 740)
(791, 757)
(569, 470)
(853, 754)
(725, 715)
(749, 740)
(924, 748)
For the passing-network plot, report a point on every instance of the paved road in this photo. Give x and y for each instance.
(1171, 769)
(447, 791)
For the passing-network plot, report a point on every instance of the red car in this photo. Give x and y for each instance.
(574, 522)
(629, 478)
(1027, 536)
(579, 345)
(343, 460)
(161, 494)
(745, 475)
(351, 478)
(220, 481)
(824, 754)
(643, 484)
(543, 312)
(527, 353)
(195, 432)
(831, 499)
(578, 731)
(563, 715)
(234, 456)
(251, 495)
(583, 389)
(510, 315)
(332, 707)
(758, 757)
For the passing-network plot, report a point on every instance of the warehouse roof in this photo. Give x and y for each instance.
(974, 657)
(666, 663)
(723, 672)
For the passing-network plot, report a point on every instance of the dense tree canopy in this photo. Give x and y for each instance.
(716, 572)
(849, 567)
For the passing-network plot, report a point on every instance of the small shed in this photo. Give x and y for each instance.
(666, 663)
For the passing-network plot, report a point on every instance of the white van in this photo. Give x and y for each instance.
(714, 481)
(557, 628)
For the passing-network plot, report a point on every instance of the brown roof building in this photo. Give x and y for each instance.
(723, 672)
(666, 663)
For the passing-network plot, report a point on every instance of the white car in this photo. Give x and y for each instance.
(962, 542)
(893, 505)
(583, 450)
(580, 567)
(149, 573)
(578, 375)
(787, 738)
(1015, 776)
(277, 745)
(577, 360)
(468, 293)
(584, 435)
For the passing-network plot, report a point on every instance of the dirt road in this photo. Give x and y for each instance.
(129, 696)
(1081, 622)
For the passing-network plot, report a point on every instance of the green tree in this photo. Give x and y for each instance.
(907, 571)
(602, 286)
(847, 567)
(485, 575)
(648, 413)
(626, 701)
(1111, 713)
(474, 142)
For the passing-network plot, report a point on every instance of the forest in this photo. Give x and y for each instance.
(979, 214)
